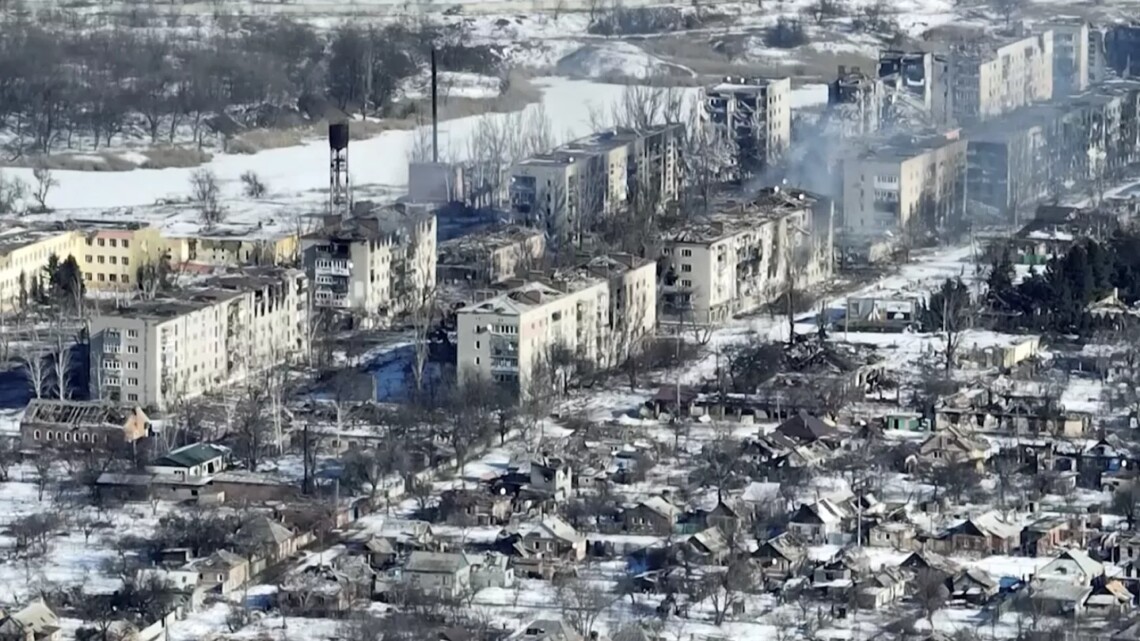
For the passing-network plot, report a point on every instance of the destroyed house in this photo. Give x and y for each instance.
(81, 424)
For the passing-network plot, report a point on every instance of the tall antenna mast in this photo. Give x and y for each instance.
(434, 112)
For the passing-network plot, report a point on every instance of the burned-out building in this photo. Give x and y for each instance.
(568, 189)
(754, 115)
(855, 102)
(915, 85)
(490, 256)
(746, 254)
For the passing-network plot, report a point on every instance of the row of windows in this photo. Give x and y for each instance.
(101, 277)
(114, 242)
(67, 437)
(684, 252)
(114, 259)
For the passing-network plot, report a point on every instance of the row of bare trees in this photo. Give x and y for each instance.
(63, 87)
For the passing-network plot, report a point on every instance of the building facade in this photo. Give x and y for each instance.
(755, 116)
(898, 183)
(989, 81)
(512, 338)
(916, 85)
(568, 190)
(24, 253)
(1071, 42)
(747, 254)
(151, 352)
(233, 248)
(375, 266)
(110, 254)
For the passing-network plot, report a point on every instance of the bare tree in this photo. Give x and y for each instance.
(12, 193)
(252, 185)
(34, 362)
(930, 592)
(723, 588)
(204, 191)
(1008, 8)
(582, 603)
(44, 182)
(62, 361)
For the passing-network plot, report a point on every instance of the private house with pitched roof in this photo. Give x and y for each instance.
(191, 461)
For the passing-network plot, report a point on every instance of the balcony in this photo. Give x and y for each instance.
(504, 364)
(327, 267)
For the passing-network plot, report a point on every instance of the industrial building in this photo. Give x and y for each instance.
(490, 256)
(990, 79)
(746, 254)
(568, 190)
(903, 183)
(755, 116)
(373, 265)
(151, 352)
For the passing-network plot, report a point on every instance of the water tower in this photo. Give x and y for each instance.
(340, 191)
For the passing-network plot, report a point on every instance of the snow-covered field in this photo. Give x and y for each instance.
(297, 176)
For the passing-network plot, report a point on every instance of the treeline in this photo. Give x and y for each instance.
(65, 87)
(1056, 298)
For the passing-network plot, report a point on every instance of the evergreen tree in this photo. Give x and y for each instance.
(1000, 292)
(947, 307)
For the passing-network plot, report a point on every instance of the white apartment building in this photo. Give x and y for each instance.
(375, 266)
(568, 189)
(633, 300)
(599, 310)
(508, 337)
(1070, 57)
(151, 352)
(24, 253)
(990, 80)
(755, 116)
(894, 182)
(747, 254)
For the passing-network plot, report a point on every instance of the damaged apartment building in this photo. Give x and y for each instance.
(372, 265)
(1022, 159)
(988, 79)
(915, 88)
(565, 191)
(754, 117)
(746, 254)
(151, 352)
(594, 312)
(854, 103)
(490, 256)
(904, 183)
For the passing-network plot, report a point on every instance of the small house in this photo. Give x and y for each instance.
(899, 535)
(654, 515)
(780, 556)
(819, 522)
(973, 585)
(223, 570)
(952, 447)
(985, 534)
(33, 622)
(728, 516)
(1072, 567)
(552, 477)
(438, 573)
(881, 589)
(196, 460)
(468, 508)
(552, 538)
